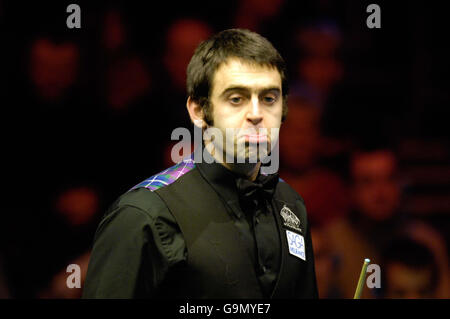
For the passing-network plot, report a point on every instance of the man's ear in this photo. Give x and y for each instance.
(196, 113)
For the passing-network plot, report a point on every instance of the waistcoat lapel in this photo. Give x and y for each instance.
(291, 267)
(218, 262)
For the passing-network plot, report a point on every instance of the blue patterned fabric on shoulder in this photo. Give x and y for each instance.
(168, 176)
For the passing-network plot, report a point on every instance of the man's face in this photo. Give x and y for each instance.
(300, 139)
(247, 98)
(408, 283)
(376, 190)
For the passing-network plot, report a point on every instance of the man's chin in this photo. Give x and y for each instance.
(248, 153)
(250, 157)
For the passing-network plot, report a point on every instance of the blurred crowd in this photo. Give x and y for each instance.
(90, 113)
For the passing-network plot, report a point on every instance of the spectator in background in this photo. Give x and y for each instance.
(53, 91)
(254, 15)
(75, 214)
(57, 107)
(53, 68)
(301, 151)
(182, 37)
(409, 270)
(375, 193)
(319, 68)
(311, 161)
(126, 102)
(127, 78)
(51, 107)
(325, 263)
(78, 205)
(434, 241)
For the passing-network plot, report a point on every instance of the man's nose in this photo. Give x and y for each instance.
(254, 115)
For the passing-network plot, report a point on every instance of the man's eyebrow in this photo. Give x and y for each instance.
(234, 88)
(245, 88)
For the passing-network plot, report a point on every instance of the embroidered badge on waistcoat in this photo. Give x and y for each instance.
(290, 219)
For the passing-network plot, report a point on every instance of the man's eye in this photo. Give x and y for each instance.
(236, 100)
(269, 99)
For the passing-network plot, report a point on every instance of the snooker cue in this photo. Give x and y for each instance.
(362, 278)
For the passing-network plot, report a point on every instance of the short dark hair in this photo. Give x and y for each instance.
(412, 254)
(243, 44)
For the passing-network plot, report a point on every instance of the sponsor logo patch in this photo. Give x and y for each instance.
(296, 244)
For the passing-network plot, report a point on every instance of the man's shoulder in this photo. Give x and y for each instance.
(144, 197)
(141, 198)
(287, 193)
(168, 176)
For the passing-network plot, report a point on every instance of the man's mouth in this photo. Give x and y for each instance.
(255, 138)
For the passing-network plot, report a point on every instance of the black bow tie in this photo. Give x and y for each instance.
(250, 193)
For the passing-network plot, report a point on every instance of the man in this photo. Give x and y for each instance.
(410, 270)
(220, 229)
(374, 216)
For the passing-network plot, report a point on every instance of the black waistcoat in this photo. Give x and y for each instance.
(218, 265)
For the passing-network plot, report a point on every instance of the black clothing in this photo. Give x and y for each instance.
(257, 225)
(189, 237)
